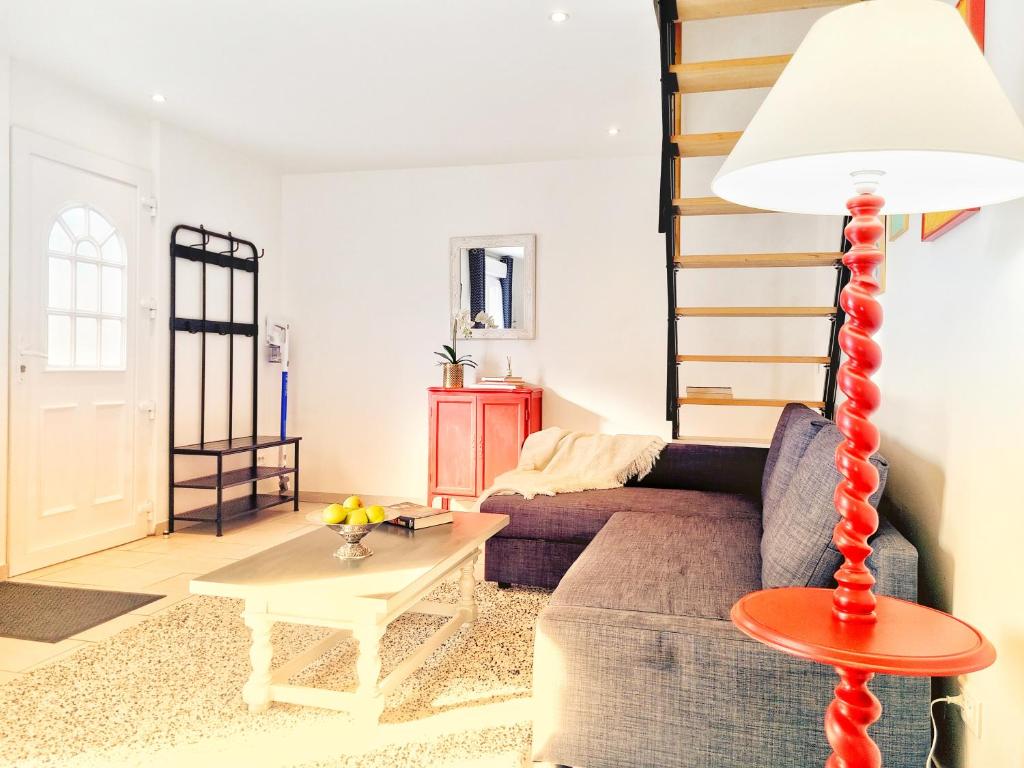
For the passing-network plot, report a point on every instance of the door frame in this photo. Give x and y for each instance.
(25, 145)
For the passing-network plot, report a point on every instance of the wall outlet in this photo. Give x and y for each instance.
(970, 710)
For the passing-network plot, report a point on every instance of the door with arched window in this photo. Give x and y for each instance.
(79, 443)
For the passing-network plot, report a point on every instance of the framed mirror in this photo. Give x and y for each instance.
(494, 274)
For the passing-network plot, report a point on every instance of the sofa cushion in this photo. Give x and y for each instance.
(577, 517)
(776, 443)
(799, 425)
(676, 565)
(696, 467)
(797, 549)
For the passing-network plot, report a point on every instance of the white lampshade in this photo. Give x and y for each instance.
(897, 86)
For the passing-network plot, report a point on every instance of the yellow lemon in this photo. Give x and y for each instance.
(357, 517)
(375, 514)
(352, 502)
(334, 514)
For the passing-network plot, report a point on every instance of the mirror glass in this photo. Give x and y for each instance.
(494, 275)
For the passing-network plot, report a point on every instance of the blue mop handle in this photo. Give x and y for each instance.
(284, 404)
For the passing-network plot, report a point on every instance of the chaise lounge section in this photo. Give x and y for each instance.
(635, 652)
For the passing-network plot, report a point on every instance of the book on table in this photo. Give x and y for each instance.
(715, 392)
(416, 516)
(500, 382)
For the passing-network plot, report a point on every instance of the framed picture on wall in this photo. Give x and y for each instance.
(973, 12)
(897, 224)
(935, 225)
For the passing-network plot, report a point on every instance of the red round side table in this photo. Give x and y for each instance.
(907, 639)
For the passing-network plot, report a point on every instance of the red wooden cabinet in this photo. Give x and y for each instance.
(475, 435)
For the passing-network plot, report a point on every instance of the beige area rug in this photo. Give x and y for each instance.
(168, 693)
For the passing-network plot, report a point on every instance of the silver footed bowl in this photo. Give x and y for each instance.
(353, 548)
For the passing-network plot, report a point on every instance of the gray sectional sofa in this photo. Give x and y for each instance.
(636, 661)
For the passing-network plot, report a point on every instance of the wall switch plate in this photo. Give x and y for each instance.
(970, 710)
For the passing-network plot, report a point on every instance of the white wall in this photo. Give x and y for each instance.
(368, 296)
(47, 105)
(952, 421)
(197, 181)
(5, 262)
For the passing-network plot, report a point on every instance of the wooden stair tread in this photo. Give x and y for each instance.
(814, 359)
(753, 442)
(759, 260)
(710, 206)
(716, 144)
(755, 311)
(745, 401)
(694, 10)
(729, 74)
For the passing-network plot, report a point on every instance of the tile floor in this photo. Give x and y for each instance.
(157, 564)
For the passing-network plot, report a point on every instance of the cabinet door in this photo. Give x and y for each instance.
(502, 423)
(453, 437)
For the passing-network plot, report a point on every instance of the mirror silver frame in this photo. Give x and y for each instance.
(529, 245)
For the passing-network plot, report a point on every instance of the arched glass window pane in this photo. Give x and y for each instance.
(99, 228)
(59, 240)
(112, 250)
(60, 284)
(110, 291)
(87, 287)
(87, 250)
(74, 220)
(86, 342)
(111, 343)
(58, 341)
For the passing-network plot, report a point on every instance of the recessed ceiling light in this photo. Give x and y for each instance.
(159, 98)
(558, 16)
(613, 131)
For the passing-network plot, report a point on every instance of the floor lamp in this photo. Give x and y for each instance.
(949, 140)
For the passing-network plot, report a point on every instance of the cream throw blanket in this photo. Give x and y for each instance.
(556, 460)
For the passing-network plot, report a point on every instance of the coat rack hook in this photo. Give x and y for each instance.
(233, 246)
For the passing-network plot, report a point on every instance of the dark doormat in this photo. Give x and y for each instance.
(51, 614)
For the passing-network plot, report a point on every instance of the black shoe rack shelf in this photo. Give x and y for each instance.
(215, 250)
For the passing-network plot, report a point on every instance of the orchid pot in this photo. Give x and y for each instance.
(453, 375)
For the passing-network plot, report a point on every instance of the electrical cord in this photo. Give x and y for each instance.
(958, 701)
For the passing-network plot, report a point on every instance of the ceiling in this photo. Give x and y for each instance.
(322, 85)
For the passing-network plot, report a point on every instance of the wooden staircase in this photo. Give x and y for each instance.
(695, 10)
(681, 77)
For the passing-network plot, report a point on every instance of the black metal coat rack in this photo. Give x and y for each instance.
(210, 251)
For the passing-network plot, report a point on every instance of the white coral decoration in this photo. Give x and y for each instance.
(485, 320)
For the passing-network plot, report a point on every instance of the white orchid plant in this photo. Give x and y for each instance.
(462, 325)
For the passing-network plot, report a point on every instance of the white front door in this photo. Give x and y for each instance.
(81, 245)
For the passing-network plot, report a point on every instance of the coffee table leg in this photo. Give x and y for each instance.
(256, 692)
(467, 582)
(368, 666)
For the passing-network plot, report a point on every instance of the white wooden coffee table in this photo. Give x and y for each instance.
(301, 582)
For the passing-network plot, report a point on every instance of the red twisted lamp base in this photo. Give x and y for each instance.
(847, 719)
(849, 628)
(853, 600)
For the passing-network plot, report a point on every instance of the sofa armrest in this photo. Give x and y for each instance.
(893, 563)
(721, 468)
